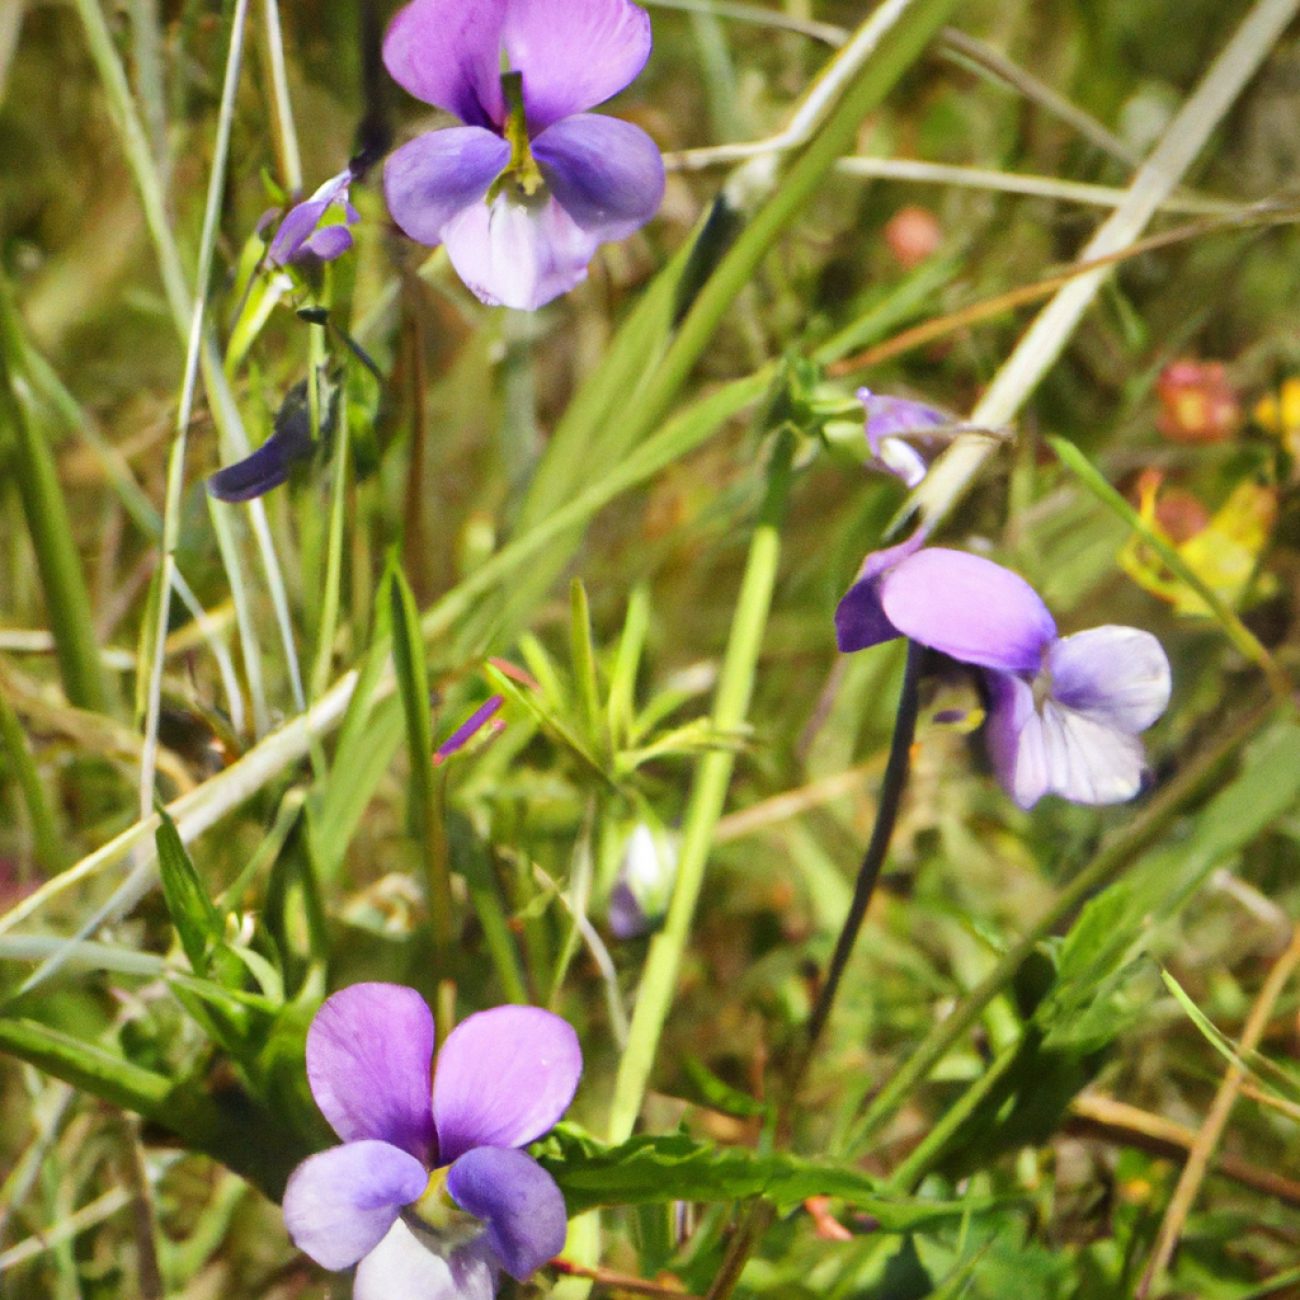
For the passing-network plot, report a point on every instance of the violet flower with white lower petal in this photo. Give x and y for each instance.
(301, 234)
(898, 434)
(524, 192)
(429, 1195)
(1065, 712)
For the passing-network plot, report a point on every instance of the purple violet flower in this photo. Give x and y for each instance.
(430, 1195)
(526, 189)
(480, 718)
(1065, 712)
(898, 433)
(644, 887)
(301, 234)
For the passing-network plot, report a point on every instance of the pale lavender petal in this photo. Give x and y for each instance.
(1114, 675)
(606, 173)
(860, 621)
(902, 460)
(574, 54)
(1058, 751)
(510, 255)
(504, 1078)
(369, 1054)
(339, 1205)
(1015, 747)
(890, 416)
(969, 608)
(448, 53)
(329, 242)
(439, 175)
(519, 1201)
(402, 1267)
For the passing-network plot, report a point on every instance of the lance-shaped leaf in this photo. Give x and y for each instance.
(198, 924)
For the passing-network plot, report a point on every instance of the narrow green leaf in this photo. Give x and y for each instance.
(676, 1167)
(1236, 631)
(237, 1129)
(197, 921)
(622, 683)
(45, 832)
(583, 650)
(67, 599)
(425, 792)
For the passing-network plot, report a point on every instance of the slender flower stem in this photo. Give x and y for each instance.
(712, 777)
(286, 135)
(194, 349)
(891, 797)
(329, 617)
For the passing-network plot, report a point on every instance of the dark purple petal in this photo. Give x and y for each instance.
(860, 622)
(339, 1205)
(510, 255)
(1115, 675)
(369, 1054)
(402, 1267)
(328, 242)
(448, 53)
(268, 467)
(606, 173)
(574, 54)
(969, 608)
(504, 1078)
(438, 175)
(518, 1200)
(298, 228)
(294, 231)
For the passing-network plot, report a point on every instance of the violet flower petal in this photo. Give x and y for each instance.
(434, 177)
(626, 916)
(369, 1054)
(969, 608)
(1021, 768)
(328, 242)
(340, 1204)
(519, 1201)
(294, 231)
(1058, 751)
(448, 53)
(860, 621)
(607, 174)
(402, 1267)
(887, 417)
(574, 54)
(504, 1077)
(266, 468)
(1114, 675)
(510, 255)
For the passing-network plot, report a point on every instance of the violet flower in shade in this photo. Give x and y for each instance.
(526, 189)
(301, 234)
(429, 1195)
(899, 434)
(1065, 712)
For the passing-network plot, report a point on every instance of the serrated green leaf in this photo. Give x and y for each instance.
(677, 1167)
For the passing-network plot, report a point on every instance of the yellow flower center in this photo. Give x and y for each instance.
(441, 1217)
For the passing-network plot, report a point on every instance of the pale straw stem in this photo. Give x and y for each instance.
(1153, 184)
